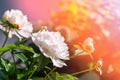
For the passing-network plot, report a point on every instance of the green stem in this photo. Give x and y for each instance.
(29, 71)
(83, 71)
(14, 76)
(48, 76)
(33, 72)
(73, 56)
(52, 70)
(6, 34)
(22, 41)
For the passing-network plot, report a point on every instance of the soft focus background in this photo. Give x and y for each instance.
(77, 20)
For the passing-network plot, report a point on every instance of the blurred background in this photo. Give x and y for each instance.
(78, 20)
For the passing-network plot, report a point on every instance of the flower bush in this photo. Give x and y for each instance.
(40, 53)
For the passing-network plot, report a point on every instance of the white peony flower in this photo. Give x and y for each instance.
(52, 46)
(22, 28)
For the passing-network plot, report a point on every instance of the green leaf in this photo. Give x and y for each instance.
(48, 68)
(37, 78)
(19, 76)
(9, 67)
(57, 76)
(26, 48)
(21, 56)
(5, 64)
(13, 46)
(43, 62)
(7, 48)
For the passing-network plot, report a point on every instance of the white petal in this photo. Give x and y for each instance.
(23, 33)
(58, 63)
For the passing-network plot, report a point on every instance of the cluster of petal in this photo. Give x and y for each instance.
(98, 66)
(86, 48)
(23, 28)
(52, 45)
(88, 45)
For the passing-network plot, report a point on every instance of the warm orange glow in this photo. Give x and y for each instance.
(78, 22)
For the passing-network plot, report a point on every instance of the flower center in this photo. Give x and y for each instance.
(16, 26)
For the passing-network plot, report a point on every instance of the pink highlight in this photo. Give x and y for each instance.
(36, 10)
